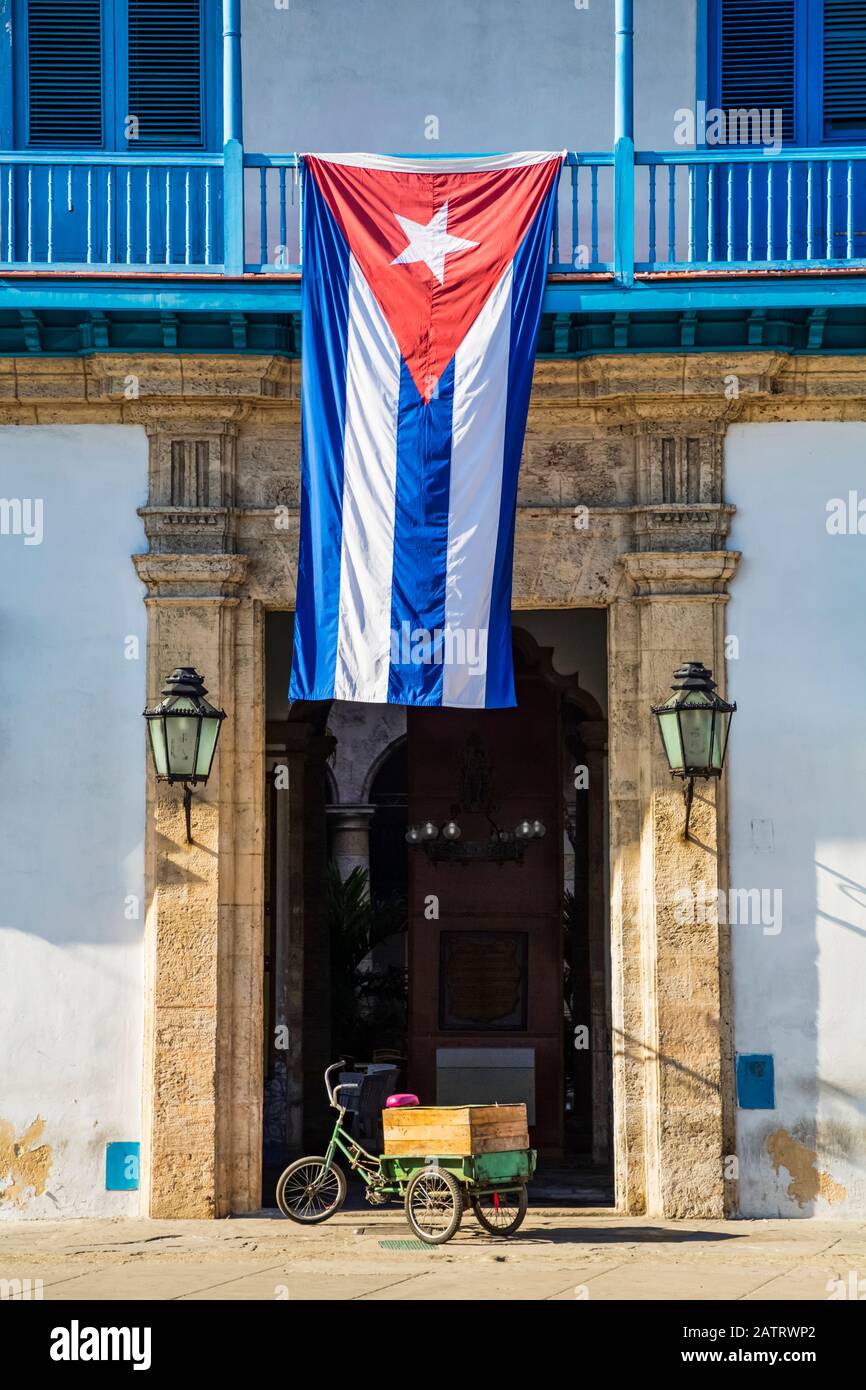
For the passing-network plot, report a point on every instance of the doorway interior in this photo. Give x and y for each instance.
(476, 969)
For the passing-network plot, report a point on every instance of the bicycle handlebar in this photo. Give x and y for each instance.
(343, 1086)
(335, 1066)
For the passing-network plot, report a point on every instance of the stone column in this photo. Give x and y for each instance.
(350, 836)
(301, 948)
(318, 1117)
(593, 734)
(203, 1005)
(670, 1002)
(288, 925)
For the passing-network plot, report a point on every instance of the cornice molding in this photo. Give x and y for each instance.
(192, 576)
(701, 574)
(635, 387)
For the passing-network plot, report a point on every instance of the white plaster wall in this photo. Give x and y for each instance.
(498, 74)
(72, 808)
(797, 768)
(337, 75)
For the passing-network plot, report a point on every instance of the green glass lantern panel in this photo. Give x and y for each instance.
(697, 731)
(670, 729)
(156, 729)
(720, 738)
(210, 729)
(181, 732)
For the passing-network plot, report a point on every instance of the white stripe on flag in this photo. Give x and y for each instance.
(441, 164)
(369, 487)
(477, 449)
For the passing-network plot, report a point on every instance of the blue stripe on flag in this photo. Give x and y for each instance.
(420, 542)
(526, 297)
(325, 296)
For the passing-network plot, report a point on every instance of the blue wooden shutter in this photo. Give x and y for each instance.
(757, 58)
(64, 72)
(165, 72)
(844, 68)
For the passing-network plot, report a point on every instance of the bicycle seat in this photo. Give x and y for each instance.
(401, 1098)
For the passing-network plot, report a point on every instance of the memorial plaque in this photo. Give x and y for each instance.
(482, 981)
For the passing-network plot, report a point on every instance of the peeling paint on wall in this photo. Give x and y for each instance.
(24, 1163)
(71, 1033)
(807, 1181)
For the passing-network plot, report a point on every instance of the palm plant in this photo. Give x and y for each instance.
(369, 1005)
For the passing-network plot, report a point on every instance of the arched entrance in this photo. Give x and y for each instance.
(503, 949)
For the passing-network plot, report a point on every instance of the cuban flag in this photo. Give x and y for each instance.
(422, 289)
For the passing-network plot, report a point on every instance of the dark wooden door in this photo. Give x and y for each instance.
(485, 976)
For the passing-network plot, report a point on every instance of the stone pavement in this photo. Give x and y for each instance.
(558, 1254)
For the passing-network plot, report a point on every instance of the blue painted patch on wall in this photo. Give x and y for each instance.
(122, 1160)
(756, 1088)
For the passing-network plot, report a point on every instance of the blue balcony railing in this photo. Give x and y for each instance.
(582, 232)
(627, 222)
(111, 212)
(712, 210)
(697, 212)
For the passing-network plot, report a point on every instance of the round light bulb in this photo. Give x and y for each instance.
(452, 831)
(430, 831)
(524, 830)
(413, 835)
(538, 828)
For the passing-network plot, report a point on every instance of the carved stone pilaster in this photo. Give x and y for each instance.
(193, 474)
(666, 574)
(191, 576)
(670, 969)
(677, 466)
(679, 485)
(203, 1076)
(679, 527)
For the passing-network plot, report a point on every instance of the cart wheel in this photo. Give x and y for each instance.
(434, 1204)
(309, 1192)
(500, 1213)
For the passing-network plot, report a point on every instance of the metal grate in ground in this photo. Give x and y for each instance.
(413, 1243)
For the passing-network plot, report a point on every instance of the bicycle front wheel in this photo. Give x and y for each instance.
(309, 1191)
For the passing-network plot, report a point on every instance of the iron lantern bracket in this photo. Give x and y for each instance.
(689, 779)
(688, 797)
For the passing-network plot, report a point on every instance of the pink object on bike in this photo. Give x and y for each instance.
(401, 1098)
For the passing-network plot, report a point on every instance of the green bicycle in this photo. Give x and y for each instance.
(435, 1189)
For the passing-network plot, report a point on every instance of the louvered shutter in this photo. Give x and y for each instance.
(758, 58)
(64, 72)
(844, 67)
(165, 63)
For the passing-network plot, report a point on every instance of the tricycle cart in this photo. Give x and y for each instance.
(480, 1157)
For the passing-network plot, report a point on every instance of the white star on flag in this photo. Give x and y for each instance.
(430, 243)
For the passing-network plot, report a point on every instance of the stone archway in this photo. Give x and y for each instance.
(652, 553)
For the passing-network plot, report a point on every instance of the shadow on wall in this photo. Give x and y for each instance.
(795, 811)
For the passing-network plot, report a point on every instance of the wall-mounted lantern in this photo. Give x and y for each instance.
(694, 724)
(184, 728)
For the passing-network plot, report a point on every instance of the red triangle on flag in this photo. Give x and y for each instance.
(432, 246)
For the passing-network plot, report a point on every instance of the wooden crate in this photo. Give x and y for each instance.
(454, 1130)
